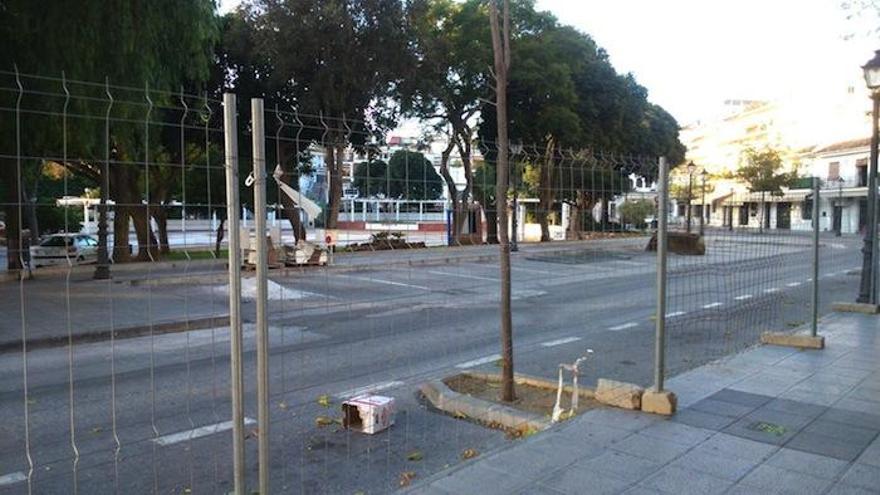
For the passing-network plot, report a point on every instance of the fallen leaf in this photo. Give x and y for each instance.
(97, 429)
(459, 415)
(322, 421)
(415, 455)
(406, 478)
(469, 454)
(324, 400)
(282, 406)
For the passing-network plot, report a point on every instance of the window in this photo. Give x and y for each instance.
(833, 171)
(807, 209)
(862, 171)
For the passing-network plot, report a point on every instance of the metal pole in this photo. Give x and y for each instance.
(703, 206)
(230, 134)
(866, 285)
(815, 315)
(259, 144)
(660, 342)
(839, 208)
(690, 200)
(102, 268)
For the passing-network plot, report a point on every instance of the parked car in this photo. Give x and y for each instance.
(56, 249)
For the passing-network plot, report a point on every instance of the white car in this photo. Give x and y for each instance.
(57, 249)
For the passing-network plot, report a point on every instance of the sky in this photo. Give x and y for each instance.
(692, 55)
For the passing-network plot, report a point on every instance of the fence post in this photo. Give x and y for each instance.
(660, 337)
(259, 145)
(815, 308)
(230, 136)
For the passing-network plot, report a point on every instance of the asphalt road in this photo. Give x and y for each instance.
(386, 328)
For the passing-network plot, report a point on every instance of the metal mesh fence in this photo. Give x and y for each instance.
(383, 275)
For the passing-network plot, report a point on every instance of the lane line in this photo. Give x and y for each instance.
(712, 305)
(532, 270)
(478, 361)
(388, 282)
(623, 327)
(12, 478)
(743, 297)
(462, 275)
(376, 387)
(202, 431)
(771, 290)
(556, 342)
(793, 284)
(675, 313)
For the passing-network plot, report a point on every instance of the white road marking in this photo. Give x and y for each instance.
(531, 270)
(675, 313)
(202, 431)
(810, 279)
(793, 284)
(388, 282)
(12, 478)
(623, 327)
(376, 387)
(462, 275)
(479, 361)
(771, 290)
(712, 305)
(556, 342)
(743, 297)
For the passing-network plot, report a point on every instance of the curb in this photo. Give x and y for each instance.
(845, 307)
(119, 333)
(800, 341)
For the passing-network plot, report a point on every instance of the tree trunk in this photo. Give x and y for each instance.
(30, 212)
(453, 192)
(219, 240)
(160, 213)
(333, 161)
(501, 48)
(12, 208)
(546, 192)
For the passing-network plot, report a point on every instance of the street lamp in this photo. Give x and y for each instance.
(515, 150)
(866, 292)
(839, 230)
(691, 168)
(703, 175)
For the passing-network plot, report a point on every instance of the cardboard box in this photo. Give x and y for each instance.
(368, 413)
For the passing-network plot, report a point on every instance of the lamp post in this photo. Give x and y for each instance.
(703, 175)
(690, 167)
(839, 230)
(515, 150)
(866, 292)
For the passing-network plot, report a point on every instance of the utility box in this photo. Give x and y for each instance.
(368, 413)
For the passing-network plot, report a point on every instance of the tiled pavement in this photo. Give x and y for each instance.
(768, 420)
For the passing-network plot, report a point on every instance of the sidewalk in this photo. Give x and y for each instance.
(768, 420)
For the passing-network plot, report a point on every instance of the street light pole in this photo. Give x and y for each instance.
(703, 175)
(866, 286)
(691, 167)
(839, 230)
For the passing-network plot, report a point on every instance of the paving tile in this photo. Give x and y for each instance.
(842, 431)
(539, 489)
(825, 445)
(741, 448)
(855, 418)
(742, 398)
(594, 433)
(807, 463)
(768, 426)
(533, 459)
(481, 479)
(810, 397)
(770, 479)
(621, 465)
(864, 406)
(703, 420)
(721, 408)
(678, 433)
(619, 418)
(796, 407)
(871, 455)
(673, 479)
(641, 490)
(655, 449)
(863, 476)
(428, 490)
(715, 463)
(842, 489)
(575, 481)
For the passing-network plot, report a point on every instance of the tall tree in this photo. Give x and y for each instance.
(163, 44)
(764, 171)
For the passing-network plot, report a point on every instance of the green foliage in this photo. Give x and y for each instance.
(635, 212)
(413, 177)
(371, 178)
(763, 171)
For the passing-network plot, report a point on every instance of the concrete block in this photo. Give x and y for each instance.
(619, 394)
(845, 307)
(793, 340)
(659, 402)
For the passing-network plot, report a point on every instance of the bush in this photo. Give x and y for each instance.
(635, 212)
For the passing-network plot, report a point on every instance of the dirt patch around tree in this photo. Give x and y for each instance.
(529, 398)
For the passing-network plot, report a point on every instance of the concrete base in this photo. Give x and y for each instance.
(619, 394)
(793, 340)
(483, 411)
(664, 402)
(844, 307)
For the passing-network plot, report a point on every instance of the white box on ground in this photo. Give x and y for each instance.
(368, 413)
